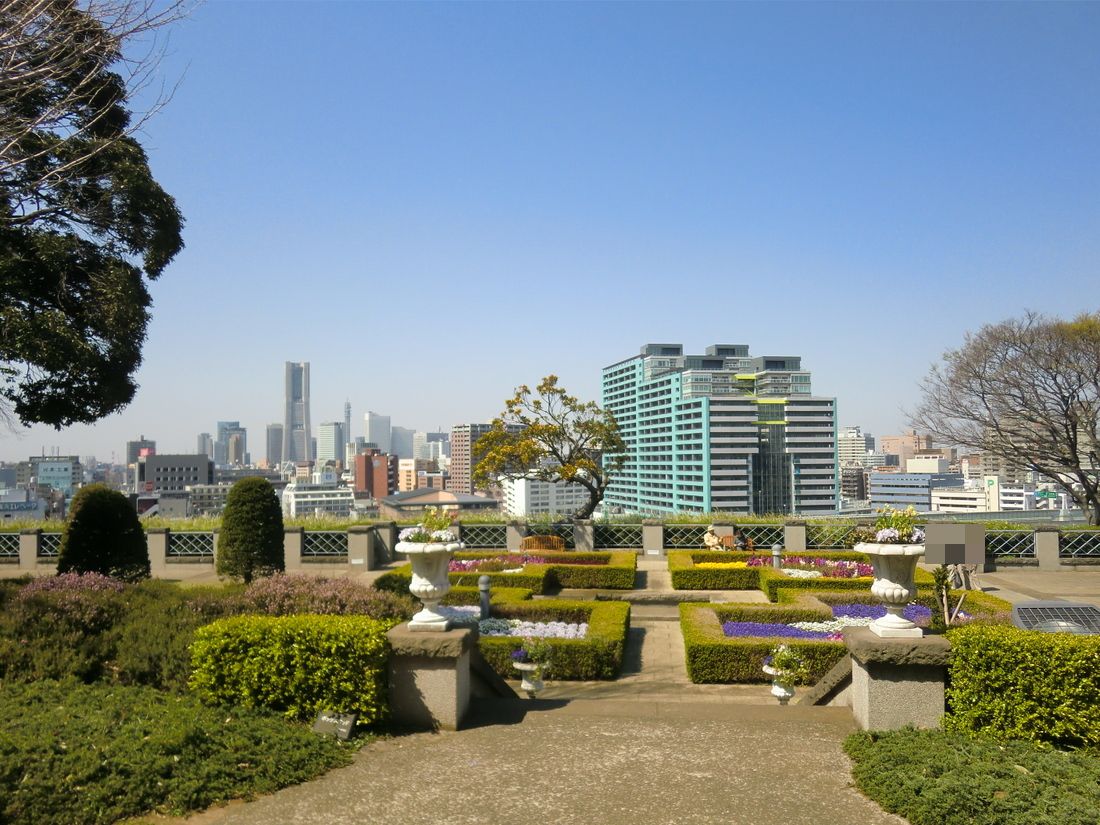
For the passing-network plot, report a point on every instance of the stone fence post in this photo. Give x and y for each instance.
(385, 540)
(897, 682)
(156, 541)
(653, 537)
(1048, 543)
(794, 537)
(294, 540)
(584, 535)
(361, 547)
(515, 532)
(29, 541)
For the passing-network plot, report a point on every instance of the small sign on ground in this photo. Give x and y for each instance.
(339, 724)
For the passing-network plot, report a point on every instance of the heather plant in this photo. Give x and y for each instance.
(251, 539)
(103, 535)
(283, 595)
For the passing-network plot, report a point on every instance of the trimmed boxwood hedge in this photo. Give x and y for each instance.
(616, 571)
(297, 664)
(1022, 684)
(598, 656)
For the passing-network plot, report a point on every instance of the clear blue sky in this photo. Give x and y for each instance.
(434, 203)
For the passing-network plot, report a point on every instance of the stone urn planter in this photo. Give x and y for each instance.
(782, 684)
(531, 677)
(429, 580)
(895, 566)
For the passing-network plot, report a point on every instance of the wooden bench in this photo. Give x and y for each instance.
(542, 543)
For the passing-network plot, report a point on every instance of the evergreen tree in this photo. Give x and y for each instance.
(103, 535)
(251, 540)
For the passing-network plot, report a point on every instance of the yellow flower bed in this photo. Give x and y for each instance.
(722, 565)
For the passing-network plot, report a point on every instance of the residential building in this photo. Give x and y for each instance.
(901, 490)
(274, 444)
(134, 448)
(535, 497)
(719, 431)
(377, 430)
(463, 455)
(297, 434)
(376, 473)
(853, 447)
(330, 442)
(172, 473)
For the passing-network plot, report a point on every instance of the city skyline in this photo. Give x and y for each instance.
(861, 185)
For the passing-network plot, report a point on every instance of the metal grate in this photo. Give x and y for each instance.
(829, 536)
(324, 544)
(1009, 543)
(191, 545)
(49, 545)
(484, 535)
(763, 535)
(618, 535)
(562, 531)
(9, 546)
(1057, 617)
(1079, 543)
(684, 535)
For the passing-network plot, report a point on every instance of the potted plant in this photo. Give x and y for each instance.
(894, 546)
(429, 546)
(532, 660)
(786, 667)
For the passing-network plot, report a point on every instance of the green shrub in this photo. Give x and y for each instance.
(282, 595)
(598, 656)
(297, 664)
(932, 777)
(103, 535)
(251, 540)
(96, 754)
(1021, 684)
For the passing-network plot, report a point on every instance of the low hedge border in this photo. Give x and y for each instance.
(497, 595)
(616, 572)
(714, 658)
(598, 656)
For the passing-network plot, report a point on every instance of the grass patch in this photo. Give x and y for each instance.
(932, 777)
(96, 753)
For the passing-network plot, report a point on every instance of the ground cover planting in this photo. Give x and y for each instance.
(542, 571)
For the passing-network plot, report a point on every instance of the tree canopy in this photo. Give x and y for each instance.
(83, 223)
(1028, 392)
(550, 435)
(250, 544)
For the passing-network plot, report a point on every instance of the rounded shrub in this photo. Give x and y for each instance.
(103, 535)
(250, 544)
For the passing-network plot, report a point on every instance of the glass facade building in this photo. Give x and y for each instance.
(720, 431)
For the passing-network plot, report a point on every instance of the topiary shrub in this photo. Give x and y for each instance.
(103, 535)
(251, 540)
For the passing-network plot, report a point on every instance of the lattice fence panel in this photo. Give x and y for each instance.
(324, 544)
(484, 535)
(191, 545)
(830, 536)
(1076, 543)
(680, 536)
(9, 546)
(618, 535)
(763, 535)
(563, 531)
(1009, 543)
(49, 545)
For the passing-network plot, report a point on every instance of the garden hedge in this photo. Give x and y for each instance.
(598, 656)
(714, 658)
(1021, 684)
(297, 664)
(616, 571)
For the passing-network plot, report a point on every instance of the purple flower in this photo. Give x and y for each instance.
(769, 630)
(916, 613)
(519, 655)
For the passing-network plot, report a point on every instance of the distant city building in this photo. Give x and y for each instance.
(926, 464)
(988, 496)
(347, 426)
(376, 473)
(719, 431)
(534, 497)
(414, 502)
(236, 449)
(377, 430)
(297, 435)
(172, 473)
(905, 446)
(901, 490)
(853, 483)
(401, 442)
(274, 444)
(330, 441)
(61, 473)
(308, 499)
(134, 448)
(432, 446)
(16, 504)
(8, 476)
(205, 445)
(463, 438)
(853, 446)
(409, 471)
(225, 431)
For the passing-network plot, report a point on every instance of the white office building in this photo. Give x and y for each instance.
(533, 497)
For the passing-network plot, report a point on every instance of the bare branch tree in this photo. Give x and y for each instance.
(1028, 392)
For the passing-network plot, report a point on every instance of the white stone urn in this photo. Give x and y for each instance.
(429, 580)
(895, 566)
(782, 685)
(531, 680)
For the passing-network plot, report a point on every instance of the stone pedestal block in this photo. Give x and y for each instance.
(653, 538)
(294, 539)
(156, 540)
(385, 540)
(584, 535)
(28, 550)
(1047, 544)
(794, 538)
(429, 677)
(897, 682)
(361, 548)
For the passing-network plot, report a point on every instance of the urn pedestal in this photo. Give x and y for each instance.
(429, 580)
(531, 680)
(895, 566)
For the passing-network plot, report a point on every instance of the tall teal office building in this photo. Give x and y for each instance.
(720, 431)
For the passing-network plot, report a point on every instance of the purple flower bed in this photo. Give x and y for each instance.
(916, 613)
(832, 568)
(495, 563)
(769, 630)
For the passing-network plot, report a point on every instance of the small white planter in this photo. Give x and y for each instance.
(429, 580)
(531, 679)
(895, 566)
(782, 689)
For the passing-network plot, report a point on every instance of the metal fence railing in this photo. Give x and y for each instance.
(1016, 544)
(618, 535)
(684, 536)
(191, 545)
(324, 544)
(49, 545)
(830, 536)
(484, 535)
(763, 535)
(1080, 543)
(9, 547)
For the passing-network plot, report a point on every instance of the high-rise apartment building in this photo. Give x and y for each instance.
(720, 431)
(377, 431)
(274, 453)
(853, 446)
(297, 435)
(330, 441)
(463, 438)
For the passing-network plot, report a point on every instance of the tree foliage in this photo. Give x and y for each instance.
(550, 435)
(103, 535)
(83, 223)
(1028, 392)
(251, 540)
